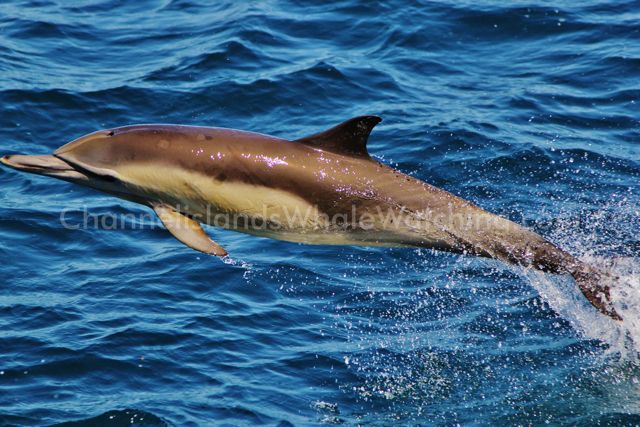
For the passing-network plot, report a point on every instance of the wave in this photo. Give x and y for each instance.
(118, 418)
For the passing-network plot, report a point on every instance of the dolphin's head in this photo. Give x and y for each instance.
(96, 154)
(44, 165)
(90, 160)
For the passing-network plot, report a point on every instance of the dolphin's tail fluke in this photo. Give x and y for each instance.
(590, 282)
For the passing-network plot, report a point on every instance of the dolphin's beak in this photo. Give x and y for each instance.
(43, 165)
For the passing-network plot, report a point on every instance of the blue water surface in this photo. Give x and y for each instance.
(528, 108)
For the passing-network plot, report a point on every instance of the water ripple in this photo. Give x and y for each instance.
(529, 110)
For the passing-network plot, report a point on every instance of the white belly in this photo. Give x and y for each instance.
(252, 209)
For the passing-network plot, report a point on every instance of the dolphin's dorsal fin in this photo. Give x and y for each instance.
(349, 138)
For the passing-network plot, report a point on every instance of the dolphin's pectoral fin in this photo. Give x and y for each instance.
(348, 138)
(187, 230)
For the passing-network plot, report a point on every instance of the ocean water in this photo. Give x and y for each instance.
(529, 109)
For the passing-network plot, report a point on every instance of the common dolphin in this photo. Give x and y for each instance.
(321, 189)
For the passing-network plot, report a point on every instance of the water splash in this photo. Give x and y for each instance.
(622, 338)
(602, 238)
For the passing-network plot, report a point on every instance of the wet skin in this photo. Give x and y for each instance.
(199, 173)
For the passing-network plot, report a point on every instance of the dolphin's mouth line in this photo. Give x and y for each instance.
(45, 164)
(54, 166)
(87, 172)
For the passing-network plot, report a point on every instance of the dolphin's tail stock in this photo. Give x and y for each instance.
(531, 250)
(591, 284)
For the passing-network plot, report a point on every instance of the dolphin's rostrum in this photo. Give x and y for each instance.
(322, 189)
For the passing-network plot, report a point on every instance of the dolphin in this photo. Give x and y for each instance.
(320, 189)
